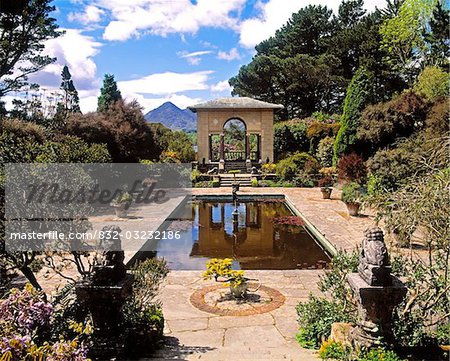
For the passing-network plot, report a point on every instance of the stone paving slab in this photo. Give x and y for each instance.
(206, 336)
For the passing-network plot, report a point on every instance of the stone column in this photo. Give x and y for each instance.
(248, 161)
(222, 152)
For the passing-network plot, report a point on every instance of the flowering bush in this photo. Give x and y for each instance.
(216, 268)
(25, 325)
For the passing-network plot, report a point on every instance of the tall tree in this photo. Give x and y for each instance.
(437, 37)
(109, 93)
(71, 100)
(357, 97)
(24, 27)
(402, 36)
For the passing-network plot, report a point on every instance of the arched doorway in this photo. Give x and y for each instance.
(234, 140)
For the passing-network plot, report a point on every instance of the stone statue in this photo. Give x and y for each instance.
(374, 266)
(212, 171)
(111, 269)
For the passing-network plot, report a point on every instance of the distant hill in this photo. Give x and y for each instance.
(173, 117)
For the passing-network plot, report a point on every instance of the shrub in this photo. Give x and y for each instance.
(377, 354)
(433, 82)
(313, 329)
(290, 136)
(390, 168)
(382, 124)
(326, 181)
(268, 168)
(254, 182)
(334, 351)
(142, 313)
(352, 193)
(287, 168)
(122, 127)
(351, 167)
(318, 131)
(325, 152)
(356, 99)
(437, 117)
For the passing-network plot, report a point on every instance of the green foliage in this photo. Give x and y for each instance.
(353, 193)
(356, 99)
(70, 149)
(215, 183)
(71, 100)
(24, 27)
(143, 314)
(325, 152)
(334, 280)
(331, 350)
(109, 93)
(309, 62)
(289, 137)
(178, 143)
(314, 329)
(402, 34)
(254, 182)
(377, 354)
(384, 123)
(318, 131)
(432, 82)
(288, 168)
(121, 126)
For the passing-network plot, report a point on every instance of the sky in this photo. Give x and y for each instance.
(183, 51)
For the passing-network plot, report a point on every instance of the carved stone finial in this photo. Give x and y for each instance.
(374, 265)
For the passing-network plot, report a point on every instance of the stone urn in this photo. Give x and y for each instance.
(353, 208)
(121, 209)
(326, 192)
(240, 290)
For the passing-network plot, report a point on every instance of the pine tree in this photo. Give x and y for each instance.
(109, 93)
(71, 100)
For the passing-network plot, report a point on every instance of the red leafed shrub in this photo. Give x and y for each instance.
(288, 220)
(326, 181)
(352, 167)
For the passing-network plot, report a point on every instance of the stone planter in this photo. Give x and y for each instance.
(121, 209)
(353, 208)
(239, 291)
(326, 192)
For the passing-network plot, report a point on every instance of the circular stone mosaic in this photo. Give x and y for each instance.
(218, 300)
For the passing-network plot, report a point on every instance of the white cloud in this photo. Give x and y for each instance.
(167, 83)
(275, 13)
(130, 18)
(91, 15)
(233, 54)
(221, 86)
(75, 50)
(193, 58)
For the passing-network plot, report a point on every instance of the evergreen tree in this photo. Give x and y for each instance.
(357, 97)
(109, 93)
(71, 100)
(24, 27)
(437, 37)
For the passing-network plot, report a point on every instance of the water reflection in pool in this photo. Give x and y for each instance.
(257, 241)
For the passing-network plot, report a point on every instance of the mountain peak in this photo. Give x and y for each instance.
(172, 117)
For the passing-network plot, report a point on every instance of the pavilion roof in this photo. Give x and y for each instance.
(235, 103)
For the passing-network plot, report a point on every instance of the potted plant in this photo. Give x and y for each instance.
(220, 270)
(325, 185)
(121, 204)
(352, 195)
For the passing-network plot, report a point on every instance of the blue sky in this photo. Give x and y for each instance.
(182, 51)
